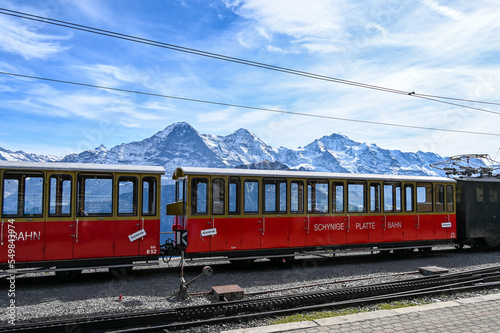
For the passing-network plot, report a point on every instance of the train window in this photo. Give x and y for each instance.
(149, 196)
(374, 197)
(337, 197)
(10, 196)
(439, 198)
(234, 195)
(22, 195)
(297, 197)
(282, 202)
(479, 193)
(127, 196)
(317, 196)
(356, 197)
(450, 198)
(95, 195)
(199, 196)
(392, 197)
(493, 193)
(274, 196)
(424, 197)
(270, 195)
(60, 195)
(180, 190)
(218, 196)
(251, 196)
(409, 198)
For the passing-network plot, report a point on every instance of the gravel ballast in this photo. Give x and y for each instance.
(42, 297)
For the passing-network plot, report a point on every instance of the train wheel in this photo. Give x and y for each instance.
(286, 262)
(403, 253)
(425, 251)
(120, 272)
(242, 264)
(491, 242)
(67, 276)
(383, 252)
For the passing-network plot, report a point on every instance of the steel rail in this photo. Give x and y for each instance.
(182, 317)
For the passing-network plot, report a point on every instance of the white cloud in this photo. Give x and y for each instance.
(22, 39)
(444, 10)
(309, 23)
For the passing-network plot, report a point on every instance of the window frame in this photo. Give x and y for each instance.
(59, 195)
(80, 199)
(424, 207)
(194, 196)
(450, 195)
(135, 181)
(394, 196)
(22, 176)
(312, 202)
(152, 196)
(278, 196)
(257, 191)
(237, 193)
(334, 185)
(357, 182)
(222, 192)
(299, 197)
(376, 200)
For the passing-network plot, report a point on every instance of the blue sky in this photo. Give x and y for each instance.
(445, 48)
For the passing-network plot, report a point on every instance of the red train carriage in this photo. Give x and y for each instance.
(76, 215)
(235, 212)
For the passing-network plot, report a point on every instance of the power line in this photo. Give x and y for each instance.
(248, 107)
(239, 60)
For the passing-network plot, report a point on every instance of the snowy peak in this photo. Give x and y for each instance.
(8, 155)
(179, 129)
(181, 145)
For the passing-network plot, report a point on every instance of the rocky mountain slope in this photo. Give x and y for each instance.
(181, 145)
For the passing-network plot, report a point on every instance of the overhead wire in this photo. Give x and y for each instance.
(247, 107)
(241, 61)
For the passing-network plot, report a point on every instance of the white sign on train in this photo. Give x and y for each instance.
(209, 232)
(137, 235)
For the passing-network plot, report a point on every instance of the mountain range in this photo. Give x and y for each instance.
(181, 145)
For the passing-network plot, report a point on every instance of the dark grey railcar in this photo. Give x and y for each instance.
(478, 211)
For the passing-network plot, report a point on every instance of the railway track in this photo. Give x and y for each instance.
(184, 317)
(29, 277)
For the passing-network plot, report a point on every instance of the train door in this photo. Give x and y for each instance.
(94, 226)
(425, 215)
(318, 217)
(485, 209)
(199, 222)
(338, 219)
(60, 223)
(375, 222)
(22, 211)
(149, 218)
(441, 219)
(4, 229)
(297, 220)
(393, 219)
(410, 219)
(357, 226)
(451, 227)
(274, 217)
(251, 222)
(218, 222)
(233, 222)
(127, 223)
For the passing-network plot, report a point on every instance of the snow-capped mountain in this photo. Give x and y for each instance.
(181, 145)
(8, 155)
